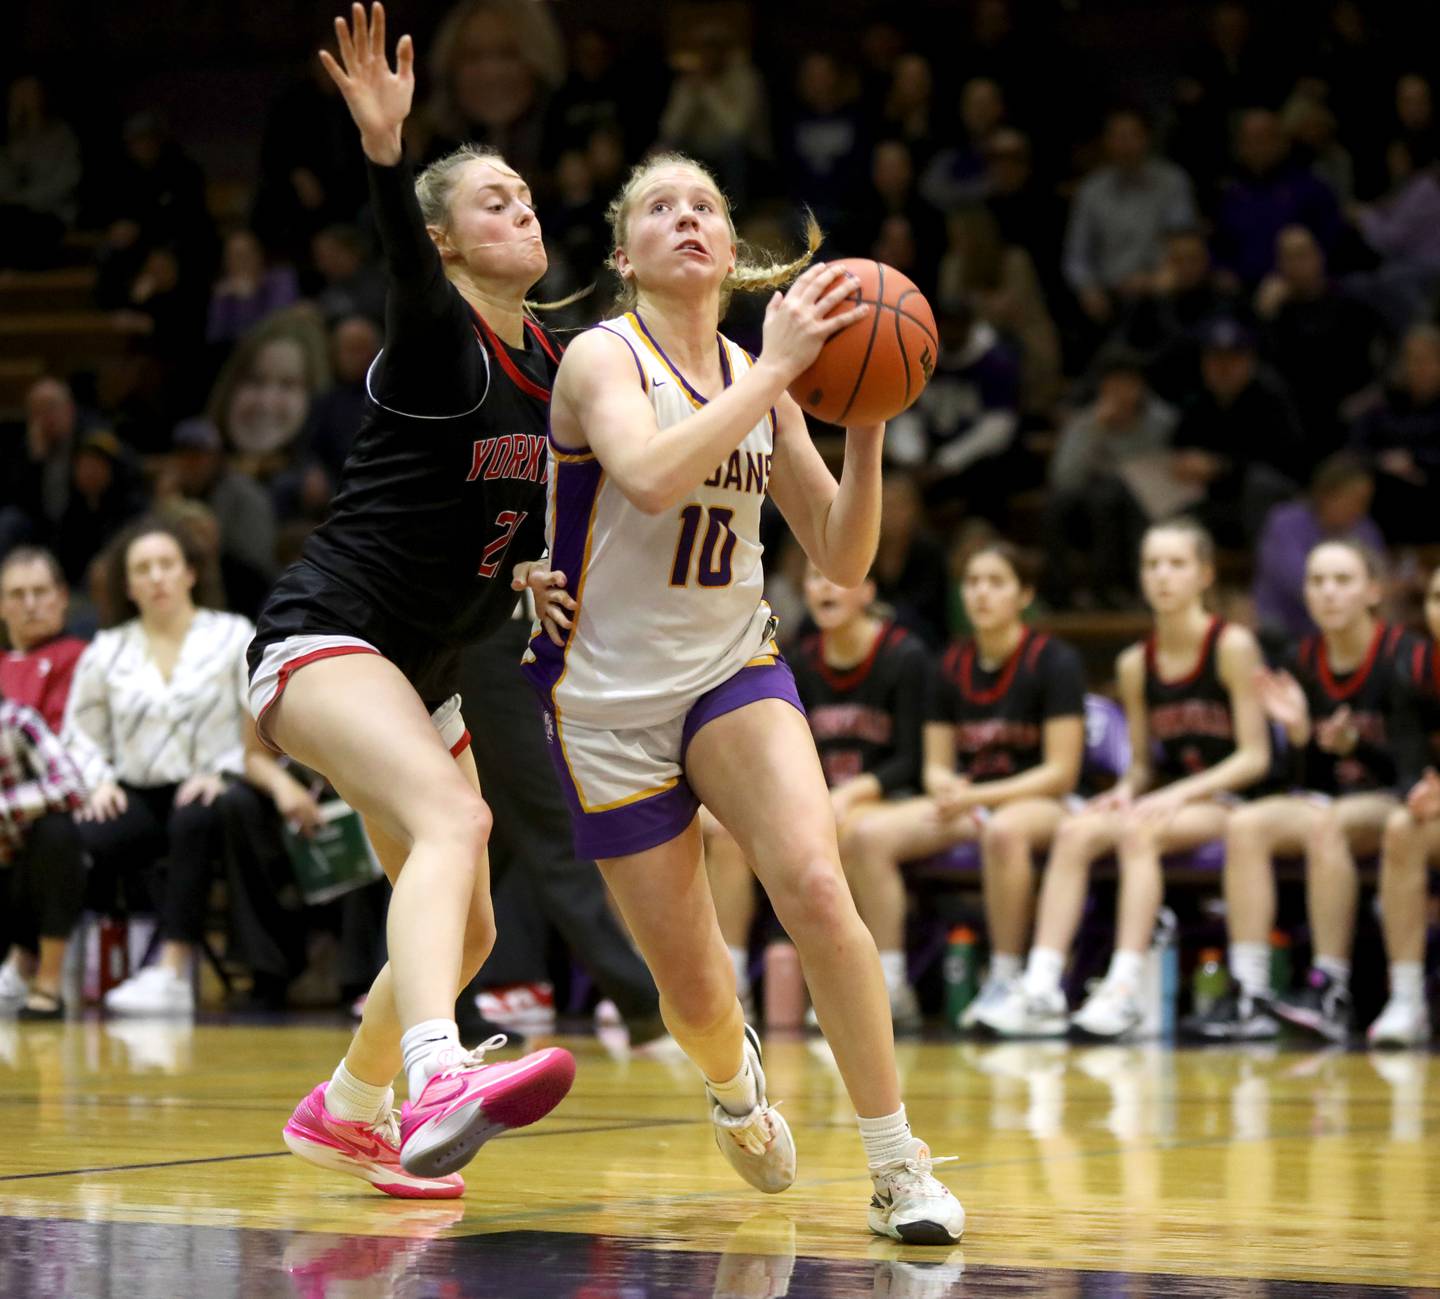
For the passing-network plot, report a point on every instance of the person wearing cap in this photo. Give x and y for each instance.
(199, 471)
(1239, 440)
(1089, 499)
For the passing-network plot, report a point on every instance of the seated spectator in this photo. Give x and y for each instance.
(1336, 509)
(336, 414)
(911, 572)
(1004, 739)
(198, 471)
(1313, 132)
(865, 685)
(717, 110)
(163, 307)
(576, 237)
(1401, 438)
(822, 148)
(157, 722)
(44, 867)
(1270, 190)
(956, 173)
(1115, 237)
(1029, 215)
(598, 94)
(248, 290)
(1001, 281)
(352, 285)
(262, 398)
(1415, 124)
(892, 199)
(37, 669)
(35, 474)
(1238, 446)
(959, 432)
(1164, 324)
(1324, 343)
(1090, 507)
(105, 493)
(39, 178)
(909, 112)
(1403, 229)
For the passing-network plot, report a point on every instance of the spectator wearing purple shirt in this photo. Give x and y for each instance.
(1269, 191)
(1337, 508)
(248, 291)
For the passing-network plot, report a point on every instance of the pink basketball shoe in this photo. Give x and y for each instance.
(468, 1102)
(367, 1150)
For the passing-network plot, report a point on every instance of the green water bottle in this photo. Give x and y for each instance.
(960, 973)
(1280, 971)
(1211, 981)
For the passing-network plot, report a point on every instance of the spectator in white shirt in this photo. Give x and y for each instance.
(157, 722)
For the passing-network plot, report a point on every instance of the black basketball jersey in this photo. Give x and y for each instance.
(1415, 715)
(444, 488)
(1369, 693)
(867, 719)
(999, 716)
(1188, 719)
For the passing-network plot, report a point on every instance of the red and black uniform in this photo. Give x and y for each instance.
(867, 719)
(999, 717)
(444, 489)
(1189, 719)
(1415, 714)
(1369, 692)
(40, 677)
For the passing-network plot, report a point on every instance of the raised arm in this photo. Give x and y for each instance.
(598, 402)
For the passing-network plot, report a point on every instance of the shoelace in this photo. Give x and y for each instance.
(752, 1132)
(914, 1176)
(387, 1128)
(472, 1059)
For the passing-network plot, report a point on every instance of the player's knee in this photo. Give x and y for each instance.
(1074, 841)
(1323, 832)
(462, 823)
(1002, 841)
(816, 898)
(1398, 837)
(1136, 838)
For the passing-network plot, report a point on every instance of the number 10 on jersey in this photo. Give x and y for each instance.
(712, 562)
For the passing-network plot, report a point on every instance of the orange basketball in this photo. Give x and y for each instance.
(872, 370)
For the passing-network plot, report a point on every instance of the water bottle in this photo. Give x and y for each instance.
(784, 986)
(113, 963)
(1161, 992)
(1280, 969)
(1211, 981)
(960, 973)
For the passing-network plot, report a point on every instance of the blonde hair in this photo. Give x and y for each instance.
(755, 271)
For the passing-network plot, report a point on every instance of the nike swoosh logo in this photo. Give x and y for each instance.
(659, 383)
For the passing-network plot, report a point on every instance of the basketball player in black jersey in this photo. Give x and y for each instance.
(1334, 703)
(1004, 736)
(864, 682)
(355, 654)
(1412, 836)
(1198, 737)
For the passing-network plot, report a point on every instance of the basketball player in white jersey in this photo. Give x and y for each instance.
(667, 687)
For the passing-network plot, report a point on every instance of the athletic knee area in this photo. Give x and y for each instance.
(1137, 839)
(52, 835)
(864, 844)
(1324, 832)
(1077, 841)
(813, 898)
(702, 1004)
(1400, 830)
(463, 824)
(1003, 840)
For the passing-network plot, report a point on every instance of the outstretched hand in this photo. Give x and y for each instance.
(378, 99)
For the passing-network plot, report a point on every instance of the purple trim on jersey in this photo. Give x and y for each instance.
(640, 369)
(577, 487)
(675, 369)
(747, 686)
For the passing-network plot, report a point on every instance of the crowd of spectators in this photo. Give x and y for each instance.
(1216, 294)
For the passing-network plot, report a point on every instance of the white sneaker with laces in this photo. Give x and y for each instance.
(1402, 1023)
(911, 1204)
(992, 993)
(1112, 1011)
(1018, 1013)
(14, 988)
(758, 1145)
(155, 990)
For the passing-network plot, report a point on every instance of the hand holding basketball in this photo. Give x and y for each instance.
(874, 366)
(798, 322)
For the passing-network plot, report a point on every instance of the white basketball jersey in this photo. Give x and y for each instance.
(670, 605)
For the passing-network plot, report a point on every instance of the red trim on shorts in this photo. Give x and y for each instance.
(291, 666)
(1212, 634)
(458, 747)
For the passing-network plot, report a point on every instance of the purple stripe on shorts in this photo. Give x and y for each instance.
(747, 686)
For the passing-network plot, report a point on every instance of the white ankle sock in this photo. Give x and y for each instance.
(737, 1095)
(1004, 965)
(1125, 967)
(892, 965)
(424, 1048)
(355, 1101)
(887, 1139)
(740, 959)
(1337, 967)
(1250, 964)
(1407, 982)
(1043, 971)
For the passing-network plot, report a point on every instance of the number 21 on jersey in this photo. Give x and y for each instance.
(711, 559)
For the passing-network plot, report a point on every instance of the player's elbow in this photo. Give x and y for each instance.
(649, 498)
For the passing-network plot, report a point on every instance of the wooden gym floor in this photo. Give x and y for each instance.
(145, 1160)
